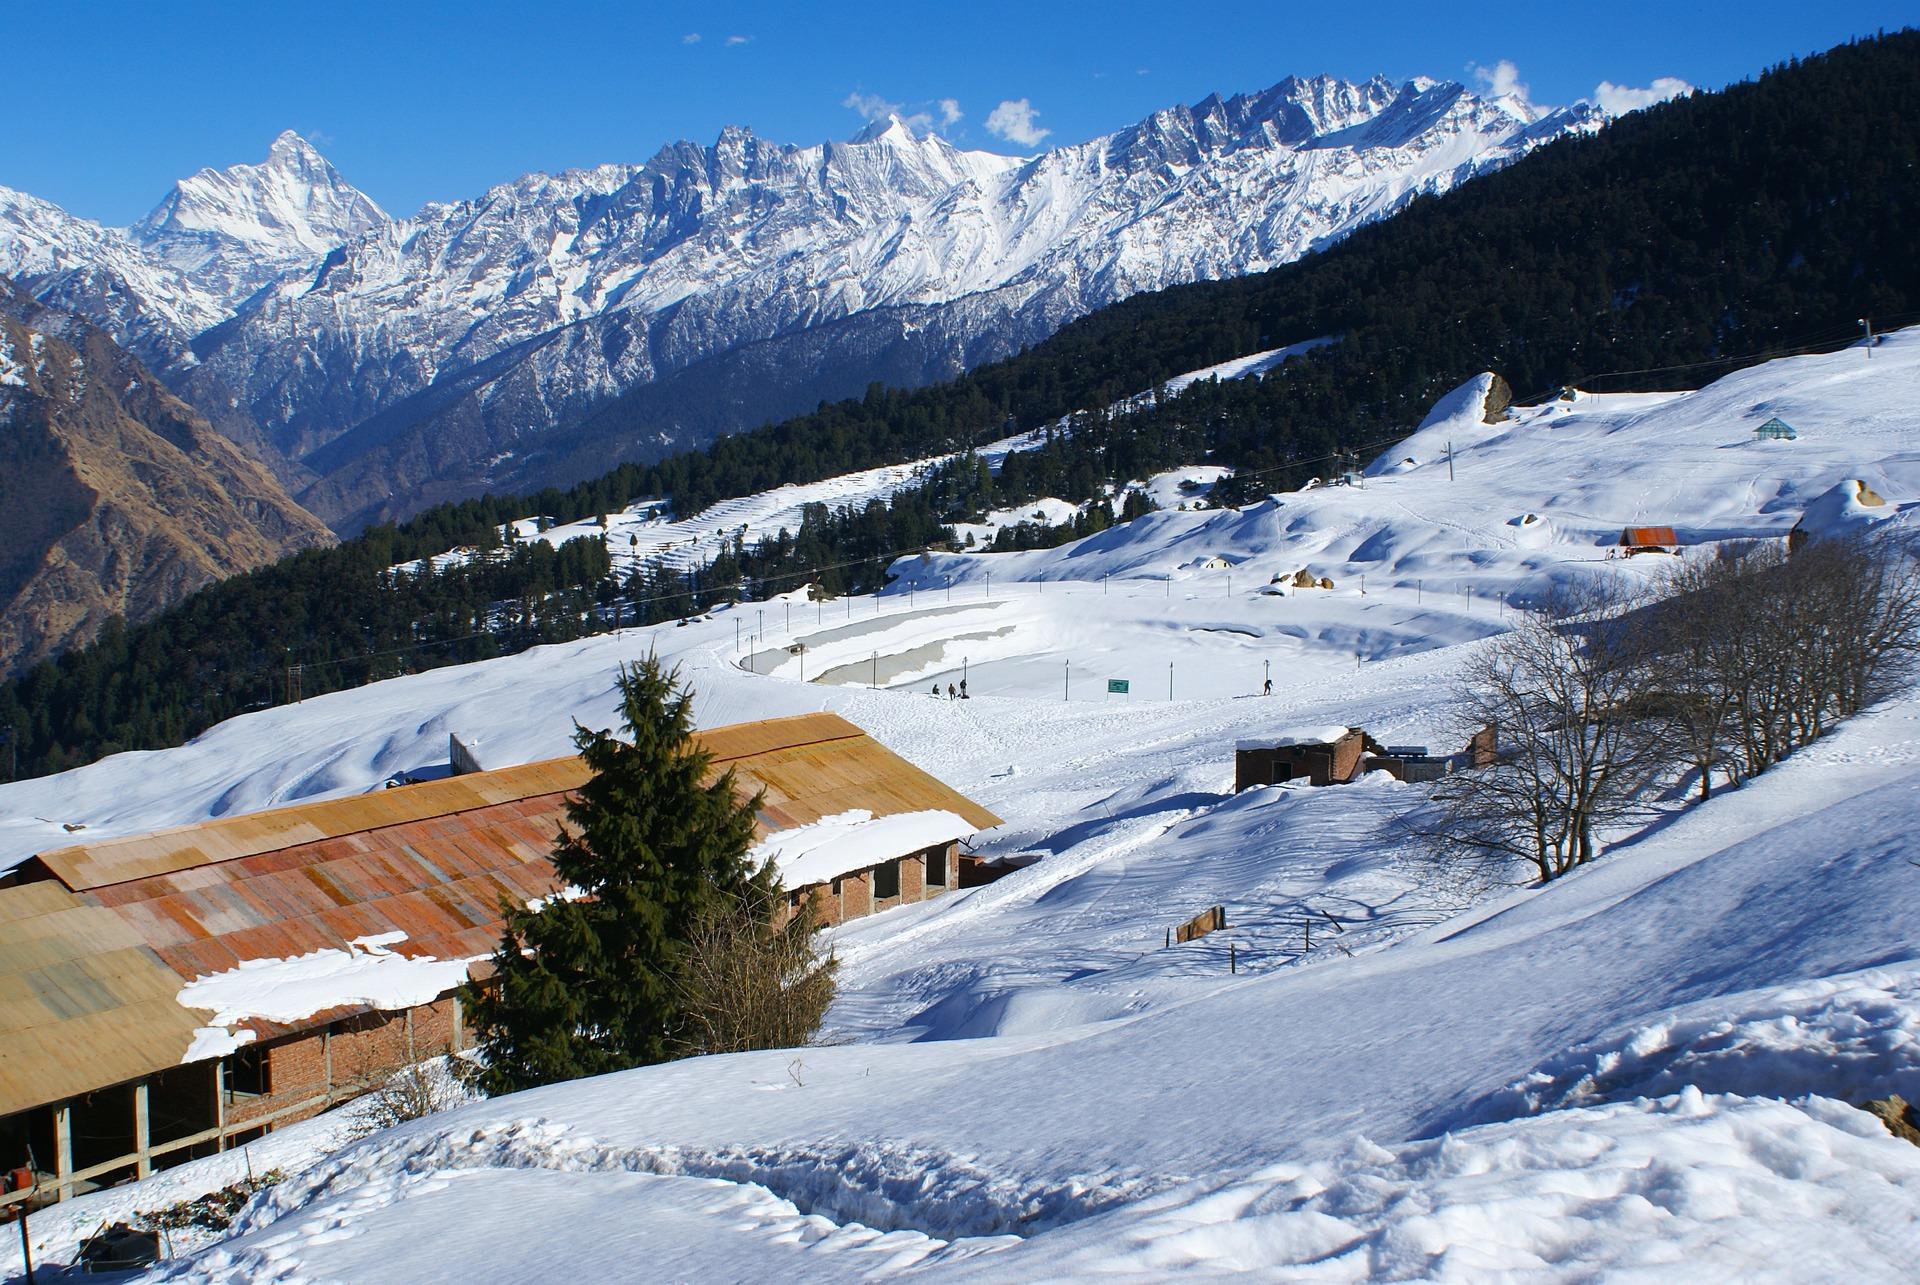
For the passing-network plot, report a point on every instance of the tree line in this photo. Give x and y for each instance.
(1609, 695)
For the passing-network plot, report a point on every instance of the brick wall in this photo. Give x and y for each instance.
(356, 1052)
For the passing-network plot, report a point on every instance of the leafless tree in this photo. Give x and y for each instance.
(1579, 743)
(1763, 651)
(754, 976)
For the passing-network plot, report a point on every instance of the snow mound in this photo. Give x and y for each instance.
(1852, 1037)
(1844, 509)
(1692, 1186)
(1460, 417)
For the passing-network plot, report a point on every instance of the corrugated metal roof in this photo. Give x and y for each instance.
(1639, 536)
(84, 1001)
(110, 861)
(93, 958)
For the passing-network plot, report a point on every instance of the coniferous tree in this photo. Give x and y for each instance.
(592, 984)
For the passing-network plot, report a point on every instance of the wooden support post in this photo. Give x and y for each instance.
(459, 1017)
(220, 1104)
(326, 1053)
(63, 1151)
(142, 1140)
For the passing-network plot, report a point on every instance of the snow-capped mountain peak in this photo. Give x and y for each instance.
(294, 206)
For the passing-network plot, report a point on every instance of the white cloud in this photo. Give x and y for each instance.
(1013, 120)
(1501, 79)
(738, 40)
(1618, 100)
(691, 38)
(870, 106)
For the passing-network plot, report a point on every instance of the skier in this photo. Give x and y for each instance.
(963, 689)
(1269, 688)
(951, 694)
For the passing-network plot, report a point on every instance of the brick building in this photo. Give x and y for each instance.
(168, 995)
(1319, 756)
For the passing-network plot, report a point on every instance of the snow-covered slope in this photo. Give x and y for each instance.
(1645, 1068)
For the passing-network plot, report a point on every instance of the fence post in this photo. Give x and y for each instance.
(1233, 962)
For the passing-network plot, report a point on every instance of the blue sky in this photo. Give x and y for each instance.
(434, 101)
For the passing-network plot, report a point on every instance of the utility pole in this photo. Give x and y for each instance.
(1867, 325)
(1449, 459)
(875, 684)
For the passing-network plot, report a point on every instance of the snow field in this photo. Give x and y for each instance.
(1639, 1071)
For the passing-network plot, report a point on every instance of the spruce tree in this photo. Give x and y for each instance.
(590, 982)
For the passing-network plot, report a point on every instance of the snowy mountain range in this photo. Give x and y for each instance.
(404, 361)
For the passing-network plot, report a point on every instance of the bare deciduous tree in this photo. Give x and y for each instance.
(1727, 668)
(754, 977)
(1579, 745)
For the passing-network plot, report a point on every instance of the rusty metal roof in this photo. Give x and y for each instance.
(93, 955)
(1641, 536)
(84, 1002)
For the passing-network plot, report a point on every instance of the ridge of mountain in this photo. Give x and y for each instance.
(454, 351)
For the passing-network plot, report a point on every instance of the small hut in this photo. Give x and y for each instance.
(1313, 756)
(1776, 430)
(1645, 539)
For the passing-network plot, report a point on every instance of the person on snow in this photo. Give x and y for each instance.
(951, 694)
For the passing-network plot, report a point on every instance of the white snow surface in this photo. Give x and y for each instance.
(854, 840)
(289, 990)
(1649, 1069)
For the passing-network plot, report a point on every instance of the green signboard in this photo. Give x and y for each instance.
(1117, 685)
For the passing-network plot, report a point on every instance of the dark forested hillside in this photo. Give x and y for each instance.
(1680, 242)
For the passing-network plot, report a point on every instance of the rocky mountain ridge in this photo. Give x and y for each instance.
(116, 498)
